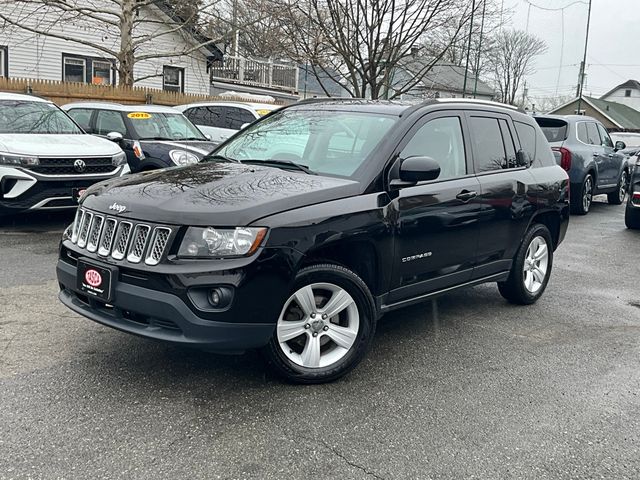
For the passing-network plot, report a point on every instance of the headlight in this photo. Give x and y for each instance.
(11, 159)
(221, 242)
(180, 157)
(119, 159)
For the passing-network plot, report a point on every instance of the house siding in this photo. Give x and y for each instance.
(40, 57)
(618, 96)
(570, 109)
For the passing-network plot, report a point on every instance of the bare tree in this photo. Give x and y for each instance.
(124, 30)
(362, 42)
(510, 59)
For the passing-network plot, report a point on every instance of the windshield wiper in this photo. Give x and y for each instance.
(192, 138)
(282, 163)
(157, 138)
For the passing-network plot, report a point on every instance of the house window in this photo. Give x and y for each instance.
(173, 79)
(4, 62)
(101, 72)
(627, 93)
(75, 70)
(79, 68)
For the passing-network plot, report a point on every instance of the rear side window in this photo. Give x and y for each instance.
(527, 136)
(582, 132)
(236, 117)
(489, 152)
(82, 116)
(554, 129)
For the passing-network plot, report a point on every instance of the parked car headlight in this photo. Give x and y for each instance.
(180, 157)
(221, 242)
(11, 159)
(119, 159)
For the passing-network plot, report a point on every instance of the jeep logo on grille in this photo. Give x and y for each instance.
(79, 165)
(117, 208)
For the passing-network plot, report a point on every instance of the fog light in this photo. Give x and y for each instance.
(215, 297)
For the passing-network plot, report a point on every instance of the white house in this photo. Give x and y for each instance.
(36, 46)
(627, 93)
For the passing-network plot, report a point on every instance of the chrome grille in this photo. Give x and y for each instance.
(84, 229)
(120, 239)
(158, 244)
(107, 237)
(94, 234)
(138, 244)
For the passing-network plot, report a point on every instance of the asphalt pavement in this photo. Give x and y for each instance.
(467, 386)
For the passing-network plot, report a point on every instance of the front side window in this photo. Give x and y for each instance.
(489, 153)
(82, 116)
(20, 116)
(604, 135)
(75, 70)
(592, 134)
(173, 79)
(163, 126)
(327, 142)
(206, 116)
(440, 139)
(108, 121)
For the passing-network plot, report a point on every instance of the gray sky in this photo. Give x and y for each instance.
(613, 55)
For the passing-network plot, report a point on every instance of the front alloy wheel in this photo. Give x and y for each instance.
(617, 197)
(325, 327)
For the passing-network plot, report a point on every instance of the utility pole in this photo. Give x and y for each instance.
(584, 60)
(466, 68)
(525, 92)
(475, 84)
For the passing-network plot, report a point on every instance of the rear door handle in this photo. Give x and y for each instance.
(466, 195)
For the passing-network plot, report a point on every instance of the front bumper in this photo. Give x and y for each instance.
(164, 312)
(21, 189)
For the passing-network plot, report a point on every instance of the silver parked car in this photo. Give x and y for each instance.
(595, 165)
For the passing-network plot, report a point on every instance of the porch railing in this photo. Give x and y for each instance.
(256, 73)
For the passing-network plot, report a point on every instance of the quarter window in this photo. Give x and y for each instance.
(489, 152)
(173, 79)
(527, 136)
(108, 121)
(440, 139)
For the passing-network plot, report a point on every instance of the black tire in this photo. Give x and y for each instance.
(617, 197)
(358, 290)
(514, 289)
(578, 205)
(632, 218)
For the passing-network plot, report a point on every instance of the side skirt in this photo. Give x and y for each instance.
(496, 277)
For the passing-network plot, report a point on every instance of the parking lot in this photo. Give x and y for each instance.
(467, 386)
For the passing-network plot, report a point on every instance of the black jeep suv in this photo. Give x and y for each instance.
(299, 232)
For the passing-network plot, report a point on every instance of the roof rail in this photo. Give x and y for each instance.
(479, 102)
(327, 99)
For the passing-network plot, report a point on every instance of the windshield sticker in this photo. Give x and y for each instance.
(139, 115)
(262, 112)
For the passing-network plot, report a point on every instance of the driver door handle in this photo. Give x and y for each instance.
(466, 195)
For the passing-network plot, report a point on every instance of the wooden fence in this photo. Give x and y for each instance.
(67, 92)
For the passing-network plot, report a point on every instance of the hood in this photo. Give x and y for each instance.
(161, 148)
(50, 145)
(215, 194)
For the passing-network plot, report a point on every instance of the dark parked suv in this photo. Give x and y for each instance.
(632, 212)
(584, 149)
(300, 231)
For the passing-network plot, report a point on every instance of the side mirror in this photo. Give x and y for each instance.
(620, 145)
(115, 137)
(419, 169)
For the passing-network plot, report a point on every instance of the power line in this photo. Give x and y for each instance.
(548, 9)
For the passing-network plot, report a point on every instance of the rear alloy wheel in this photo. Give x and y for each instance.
(531, 267)
(582, 204)
(617, 197)
(325, 327)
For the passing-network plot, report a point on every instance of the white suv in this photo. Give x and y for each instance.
(46, 159)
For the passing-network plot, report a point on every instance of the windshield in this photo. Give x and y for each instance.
(326, 142)
(163, 126)
(24, 116)
(554, 129)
